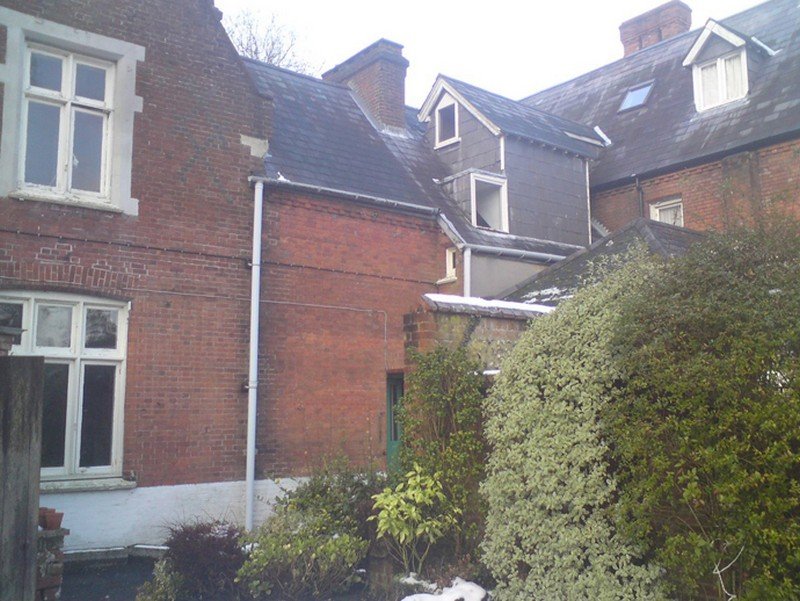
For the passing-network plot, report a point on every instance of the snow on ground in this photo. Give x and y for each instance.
(461, 590)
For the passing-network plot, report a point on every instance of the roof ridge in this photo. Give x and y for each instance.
(313, 78)
(660, 44)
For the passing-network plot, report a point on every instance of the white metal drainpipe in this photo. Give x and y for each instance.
(252, 376)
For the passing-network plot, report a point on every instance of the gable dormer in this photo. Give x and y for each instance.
(720, 63)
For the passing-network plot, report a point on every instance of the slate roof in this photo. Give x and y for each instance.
(321, 137)
(528, 122)
(559, 282)
(668, 132)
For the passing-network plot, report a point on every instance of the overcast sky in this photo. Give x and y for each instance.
(511, 48)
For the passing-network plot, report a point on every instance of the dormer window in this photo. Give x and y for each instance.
(636, 96)
(720, 81)
(489, 202)
(446, 121)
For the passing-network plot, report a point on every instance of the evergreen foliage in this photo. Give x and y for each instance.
(552, 530)
(441, 418)
(707, 429)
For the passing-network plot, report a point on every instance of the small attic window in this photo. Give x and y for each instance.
(636, 96)
(489, 202)
(446, 121)
(721, 80)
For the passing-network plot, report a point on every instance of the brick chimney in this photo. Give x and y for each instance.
(377, 75)
(661, 23)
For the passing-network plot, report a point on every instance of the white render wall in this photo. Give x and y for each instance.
(142, 515)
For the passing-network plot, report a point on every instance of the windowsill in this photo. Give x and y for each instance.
(447, 280)
(446, 143)
(489, 229)
(87, 485)
(69, 200)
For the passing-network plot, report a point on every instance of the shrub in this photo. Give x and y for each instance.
(166, 585)
(300, 555)
(441, 417)
(708, 431)
(206, 557)
(341, 493)
(551, 530)
(413, 516)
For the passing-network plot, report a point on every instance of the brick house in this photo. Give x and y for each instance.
(192, 361)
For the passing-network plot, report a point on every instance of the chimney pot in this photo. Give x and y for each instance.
(661, 23)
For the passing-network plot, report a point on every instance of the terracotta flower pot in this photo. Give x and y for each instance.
(53, 520)
(43, 513)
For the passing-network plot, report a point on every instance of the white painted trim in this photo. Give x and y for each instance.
(490, 179)
(445, 101)
(669, 203)
(503, 154)
(697, 80)
(433, 96)
(602, 134)
(76, 356)
(712, 28)
(23, 29)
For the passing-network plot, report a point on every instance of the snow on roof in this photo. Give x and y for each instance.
(450, 303)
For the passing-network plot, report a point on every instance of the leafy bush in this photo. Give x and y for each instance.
(166, 585)
(413, 516)
(201, 563)
(551, 530)
(441, 416)
(206, 557)
(708, 429)
(339, 492)
(300, 555)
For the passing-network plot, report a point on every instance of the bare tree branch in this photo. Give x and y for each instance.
(262, 37)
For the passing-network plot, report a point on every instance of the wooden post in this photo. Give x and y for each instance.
(21, 385)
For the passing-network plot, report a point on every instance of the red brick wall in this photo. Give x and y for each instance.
(182, 261)
(338, 279)
(715, 195)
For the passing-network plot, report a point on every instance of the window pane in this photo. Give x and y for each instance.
(635, 97)
(710, 83)
(733, 77)
(489, 205)
(97, 416)
(46, 71)
(101, 328)
(11, 317)
(671, 215)
(53, 326)
(447, 122)
(87, 151)
(90, 82)
(41, 150)
(54, 419)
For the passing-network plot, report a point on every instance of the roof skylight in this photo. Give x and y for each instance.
(636, 96)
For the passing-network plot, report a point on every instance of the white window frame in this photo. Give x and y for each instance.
(445, 102)
(722, 85)
(670, 203)
(76, 356)
(24, 32)
(69, 104)
(450, 266)
(502, 183)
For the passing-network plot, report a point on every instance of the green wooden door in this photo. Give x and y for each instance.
(394, 392)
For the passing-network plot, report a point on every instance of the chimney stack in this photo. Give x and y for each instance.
(377, 75)
(661, 23)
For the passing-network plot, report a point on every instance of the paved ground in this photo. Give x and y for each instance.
(115, 581)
